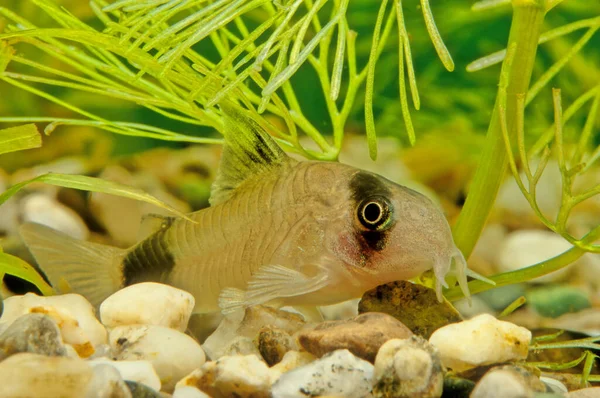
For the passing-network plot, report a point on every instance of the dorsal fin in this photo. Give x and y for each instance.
(248, 150)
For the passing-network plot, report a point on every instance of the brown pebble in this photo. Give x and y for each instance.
(361, 335)
(273, 343)
(416, 306)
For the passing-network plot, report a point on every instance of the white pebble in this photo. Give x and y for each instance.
(483, 340)
(173, 354)
(42, 209)
(73, 314)
(138, 371)
(148, 303)
(29, 375)
(527, 247)
(338, 373)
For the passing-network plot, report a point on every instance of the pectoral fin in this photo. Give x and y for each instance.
(270, 283)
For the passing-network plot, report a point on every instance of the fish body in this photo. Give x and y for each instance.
(278, 232)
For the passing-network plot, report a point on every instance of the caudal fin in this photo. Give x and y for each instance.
(90, 269)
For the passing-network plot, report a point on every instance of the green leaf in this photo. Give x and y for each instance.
(93, 185)
(15, 266)
(19, 138)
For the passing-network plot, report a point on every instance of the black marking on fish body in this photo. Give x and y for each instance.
(364, 185)
(373, 240)
(149, 261)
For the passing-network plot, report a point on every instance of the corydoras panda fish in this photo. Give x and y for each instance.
(278, 232)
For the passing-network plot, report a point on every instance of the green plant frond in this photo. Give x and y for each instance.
(512, 307)
(92, 184)
(559, 366)
(586, 343)
(495, 58)
(435, 36)
(19, 138)
(148, 54)
(12, 265)
(489, 4)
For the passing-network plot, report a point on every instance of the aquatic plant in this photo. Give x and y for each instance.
(179, 58)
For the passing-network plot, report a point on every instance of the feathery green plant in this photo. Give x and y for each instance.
(147, 53)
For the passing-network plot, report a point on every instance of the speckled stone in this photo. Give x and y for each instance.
(414, 305)
(35, 333)
(408, 368)
(338, 373)
(361, 335)
(273, 343)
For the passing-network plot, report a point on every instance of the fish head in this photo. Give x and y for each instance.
(389, 232)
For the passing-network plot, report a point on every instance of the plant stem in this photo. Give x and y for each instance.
(525, 30)
(521, 275)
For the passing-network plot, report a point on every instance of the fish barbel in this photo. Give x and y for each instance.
(278, 232)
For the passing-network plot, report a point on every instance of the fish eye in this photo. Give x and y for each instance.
(374, 213)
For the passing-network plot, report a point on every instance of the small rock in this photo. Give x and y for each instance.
(338, 373)
(171, 353)
(41, 209)
(139, 390)
(248, 324)
(148, 303)
(592, 392)
(107, 382)
(554, 301)
(291, 360)
(274, 343)
(35, 333)
(362, 335)
(523, 248)
(507, 382)
(231, 376)
(414, 305)
(73, 314)
(483, 340)
(29, 375)
(137, 371)
(407, 368)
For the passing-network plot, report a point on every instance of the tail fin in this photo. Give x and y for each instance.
(76, 266)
